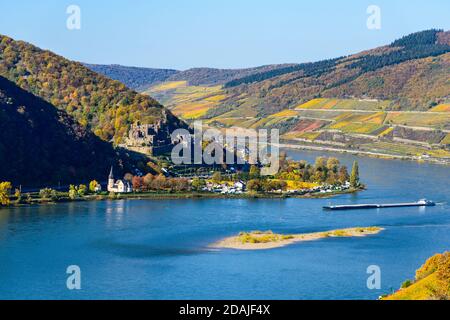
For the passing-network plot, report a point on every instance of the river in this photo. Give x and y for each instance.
(158, 249)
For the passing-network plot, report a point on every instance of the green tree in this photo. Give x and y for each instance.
(283, 161)
(273, 185)
(354, 177)
(82, 190)
(54, 195)
(48, 194)
(93, 186)
(5, 190)
(332, 178)
(45, 193)
(73, 194)
(343, 175)
(407, 284)
(18, 196)
(320, 170)
(254, 185)
(198, 184)
(255, 172)
(217, 177)
(333, 165)
(321, 163)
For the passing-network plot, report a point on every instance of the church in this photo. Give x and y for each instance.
(119, 186)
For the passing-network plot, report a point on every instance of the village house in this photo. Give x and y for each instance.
(225, 188)
(98, 188)
(119, 186)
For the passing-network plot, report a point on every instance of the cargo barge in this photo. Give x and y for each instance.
(420, 203)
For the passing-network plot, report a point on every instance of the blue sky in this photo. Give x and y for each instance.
(182, 34)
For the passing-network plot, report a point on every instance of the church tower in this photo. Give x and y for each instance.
(111, 180)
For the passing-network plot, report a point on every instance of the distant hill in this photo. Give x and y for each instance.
(133, 77)
(412, 70)
(41, 145)
(212, 77)
(104, 106)
(392, 100)
(141, 79)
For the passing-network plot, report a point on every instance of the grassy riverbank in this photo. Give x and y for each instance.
(63, 197)
(258, 240)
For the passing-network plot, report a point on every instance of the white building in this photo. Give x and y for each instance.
(98, 188)
(240, 186)
(119, 186)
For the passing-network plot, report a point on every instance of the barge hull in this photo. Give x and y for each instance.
(379, 206)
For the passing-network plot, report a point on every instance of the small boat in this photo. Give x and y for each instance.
(420, 203)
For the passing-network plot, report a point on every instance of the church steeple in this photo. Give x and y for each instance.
(111, 180)
(111, 174)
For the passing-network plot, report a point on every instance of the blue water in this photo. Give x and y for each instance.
(159, 249)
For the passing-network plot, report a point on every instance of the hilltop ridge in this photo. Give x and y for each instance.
(40, 144)
(104, 106)
(390, 101)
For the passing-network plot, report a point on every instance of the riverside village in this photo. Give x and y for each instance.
(163, 178)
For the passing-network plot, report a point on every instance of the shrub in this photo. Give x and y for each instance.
(82, 190)
(93, 186)
(340, 233)
(254, 185)
(406, 284)
(217, 177)
(73, 194)
(430, 266)
(5, 190)
(48, 194)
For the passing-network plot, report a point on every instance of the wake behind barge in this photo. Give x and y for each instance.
(420, 203)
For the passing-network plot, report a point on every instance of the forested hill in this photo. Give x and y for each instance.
(211, 76)
(105, 106)
(415, 46)
(143, 78)
(412, 71)
(41, 145)
(133, 77)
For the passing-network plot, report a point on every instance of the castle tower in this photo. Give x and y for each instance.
(111, 180)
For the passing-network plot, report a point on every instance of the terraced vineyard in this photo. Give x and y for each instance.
(441, 108)
(355, 124)
(347, 104)
(371, 128)
(188, 102)
(393, 100)
(401, 133)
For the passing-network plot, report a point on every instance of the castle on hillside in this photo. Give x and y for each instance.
(119, 186)
(149, 139)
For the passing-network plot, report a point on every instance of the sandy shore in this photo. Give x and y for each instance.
(267, 240)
